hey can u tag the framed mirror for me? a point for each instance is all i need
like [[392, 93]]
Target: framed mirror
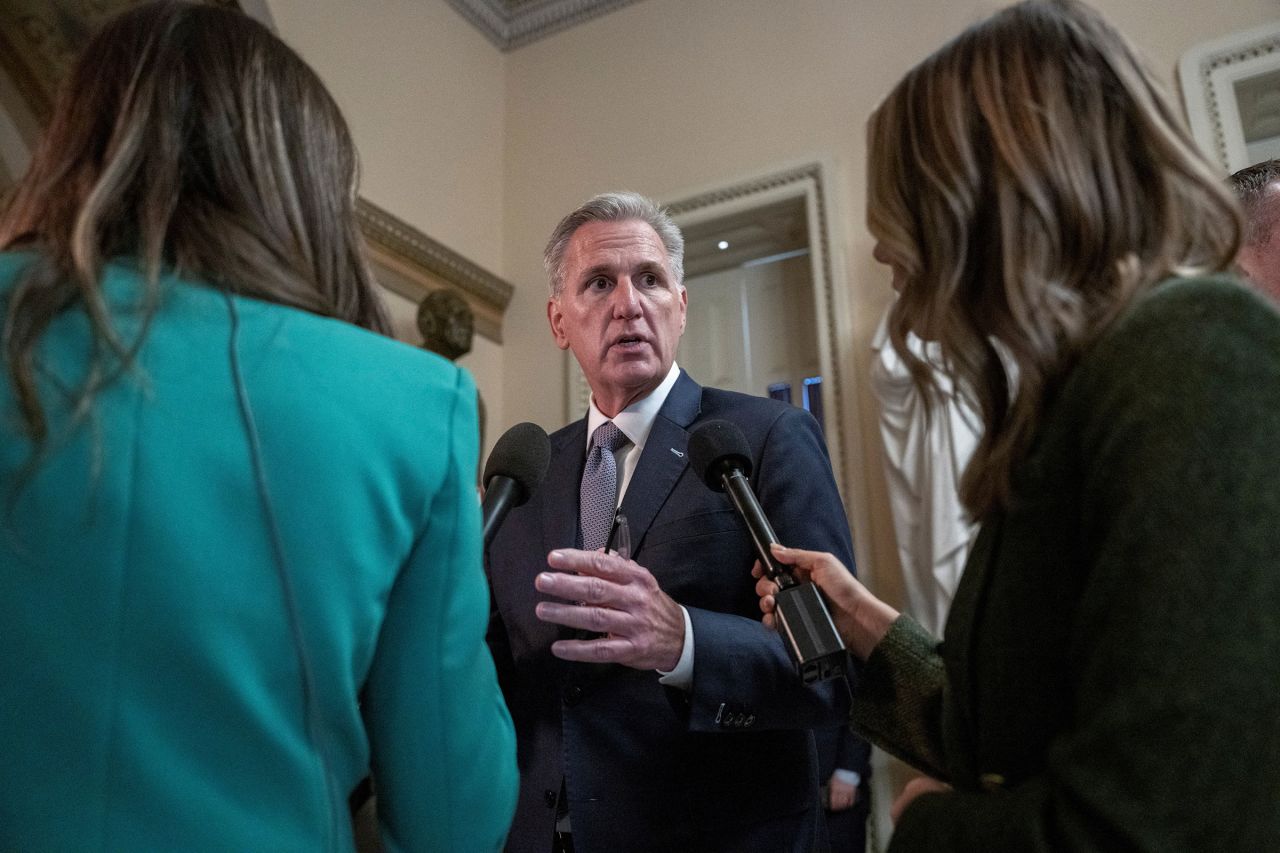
[[1231, 89]]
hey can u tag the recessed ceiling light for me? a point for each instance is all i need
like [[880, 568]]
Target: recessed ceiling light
[[723, 244]]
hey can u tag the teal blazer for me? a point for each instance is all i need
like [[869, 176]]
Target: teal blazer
[[1108, 679], [249, 572]]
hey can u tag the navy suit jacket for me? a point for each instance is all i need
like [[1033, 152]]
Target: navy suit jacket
[[730, 764]]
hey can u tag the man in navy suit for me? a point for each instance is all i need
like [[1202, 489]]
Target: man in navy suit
[[653, 710]]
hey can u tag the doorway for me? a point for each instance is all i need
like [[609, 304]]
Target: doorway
[[752, 324]]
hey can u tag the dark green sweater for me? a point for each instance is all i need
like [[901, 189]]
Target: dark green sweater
[[1110, 676]]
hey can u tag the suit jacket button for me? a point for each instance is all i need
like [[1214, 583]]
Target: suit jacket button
[[550, 797], [573, 694], [991, 782]]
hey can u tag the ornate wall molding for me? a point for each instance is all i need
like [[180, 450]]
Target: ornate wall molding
[[1209, 73], [748, 189], [510, 24], [39, 40], [413, 264]]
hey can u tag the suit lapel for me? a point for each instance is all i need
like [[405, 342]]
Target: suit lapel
[[560, 489], [665, 456]]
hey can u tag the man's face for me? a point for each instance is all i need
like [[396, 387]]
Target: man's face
[[1260, 258], [619, 310]]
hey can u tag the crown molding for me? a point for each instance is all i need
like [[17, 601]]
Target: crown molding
[[412, 264], [510, 24]]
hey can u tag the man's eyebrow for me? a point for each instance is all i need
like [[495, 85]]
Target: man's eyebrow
[[605, 270], [610, 271]]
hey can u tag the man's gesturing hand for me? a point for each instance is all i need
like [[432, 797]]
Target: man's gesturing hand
[[641, 626]]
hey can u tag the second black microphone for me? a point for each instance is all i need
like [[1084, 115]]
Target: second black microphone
[[720, 454]]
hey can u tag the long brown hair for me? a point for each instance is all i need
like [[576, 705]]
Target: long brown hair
[[1032, 179], [191, 139]]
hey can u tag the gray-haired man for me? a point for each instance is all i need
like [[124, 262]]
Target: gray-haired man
[[653, 710]]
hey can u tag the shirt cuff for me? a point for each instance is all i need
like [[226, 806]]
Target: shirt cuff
[[849, 777], [682, 676]]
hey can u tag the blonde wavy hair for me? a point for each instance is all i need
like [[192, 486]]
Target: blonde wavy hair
[[1032, 179]]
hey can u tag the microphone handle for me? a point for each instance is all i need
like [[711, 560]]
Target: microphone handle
[[499, 497], [744, 500], [803, 620]]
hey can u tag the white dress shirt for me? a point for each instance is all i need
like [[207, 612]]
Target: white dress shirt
[[636, 422]]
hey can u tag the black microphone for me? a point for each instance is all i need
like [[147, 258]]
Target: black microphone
[[720, 455], [515, 468]]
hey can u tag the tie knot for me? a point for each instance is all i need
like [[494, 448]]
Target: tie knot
[[608, 437]]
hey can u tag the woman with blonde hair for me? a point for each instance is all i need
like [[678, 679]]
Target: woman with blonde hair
[[1108, 676], [239, 539]]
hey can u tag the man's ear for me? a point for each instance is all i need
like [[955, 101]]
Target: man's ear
[[555, 317], [684, 306]]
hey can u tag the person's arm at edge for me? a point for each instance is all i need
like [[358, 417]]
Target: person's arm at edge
[[1177, 695]]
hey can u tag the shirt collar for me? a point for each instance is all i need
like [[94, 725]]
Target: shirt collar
[[635, 420]]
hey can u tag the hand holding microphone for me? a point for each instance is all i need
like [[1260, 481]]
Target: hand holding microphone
[[720, 454], [861, 619]]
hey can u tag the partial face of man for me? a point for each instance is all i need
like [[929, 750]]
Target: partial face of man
[[1259, 259], [619, 310]]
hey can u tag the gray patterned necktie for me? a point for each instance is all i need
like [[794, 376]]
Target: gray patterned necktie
[[599, 491]]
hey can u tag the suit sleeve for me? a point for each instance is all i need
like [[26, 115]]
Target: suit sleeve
[[852, 753], [840, 748], [901, 695], [738, 662], [441, 737], [1172, 744]]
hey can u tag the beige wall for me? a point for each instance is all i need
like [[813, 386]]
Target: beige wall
[[423, 93]]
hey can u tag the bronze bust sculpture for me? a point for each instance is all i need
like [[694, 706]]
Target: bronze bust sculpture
[[446, 323]]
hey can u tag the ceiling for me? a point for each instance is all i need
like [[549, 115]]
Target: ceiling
[[510, 24]]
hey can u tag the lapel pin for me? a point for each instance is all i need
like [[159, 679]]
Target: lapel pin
[[678, 453]]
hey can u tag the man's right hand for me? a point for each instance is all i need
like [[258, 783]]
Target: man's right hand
[[840, 794], [642, 626]]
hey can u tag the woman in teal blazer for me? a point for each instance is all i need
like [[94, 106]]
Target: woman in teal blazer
[[240, 546], [1108, 677]]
